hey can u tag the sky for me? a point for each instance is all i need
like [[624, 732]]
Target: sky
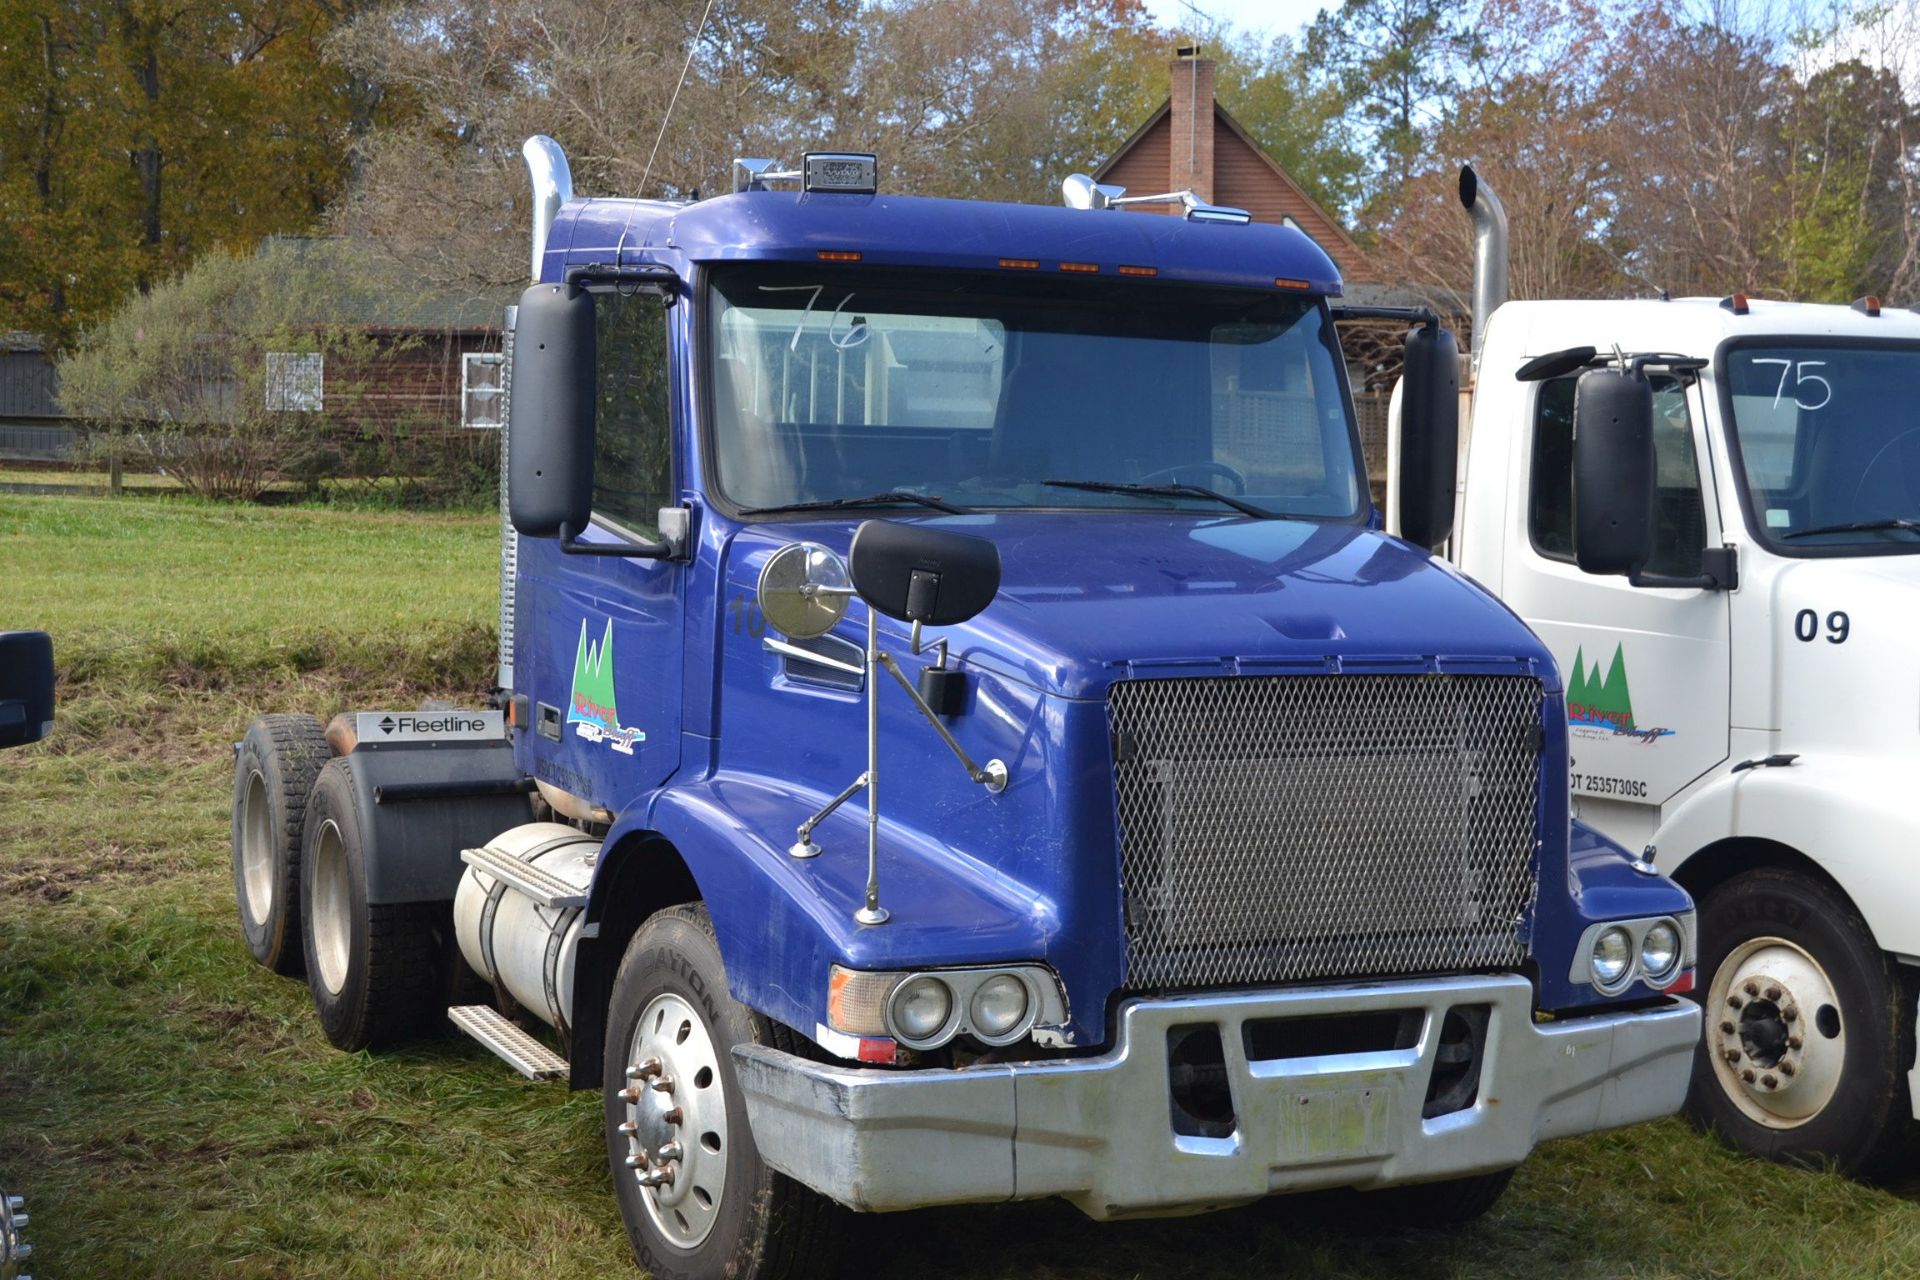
[[1273, 17]]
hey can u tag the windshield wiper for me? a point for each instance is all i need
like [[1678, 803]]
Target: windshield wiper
[[1165, 491], [891, 498], [1860, 526]]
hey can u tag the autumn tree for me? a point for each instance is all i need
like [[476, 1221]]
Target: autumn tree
[[995, 99], [1391, 63], [138, 134]]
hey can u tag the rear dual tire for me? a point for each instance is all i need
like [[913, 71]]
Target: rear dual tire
[[274, 771], [373, 968]]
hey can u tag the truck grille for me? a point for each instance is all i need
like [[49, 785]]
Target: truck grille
[[1274, 829]]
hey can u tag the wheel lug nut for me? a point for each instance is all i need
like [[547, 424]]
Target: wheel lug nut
[[656, 1177], [1751, 987], [631, 1094], [628, 1128], [1733, 1057], [1790, 1013], [661, 1084], [1786, 1068], [637, 1161], [1773, 993], [1747, 1075], [1769, 1080], [1793, 1042], [669, 1151], [1734, 1002], [1726, 1028], [645, 1069], [673, 1115]]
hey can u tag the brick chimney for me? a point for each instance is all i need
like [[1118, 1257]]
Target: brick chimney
[[1192, 120]]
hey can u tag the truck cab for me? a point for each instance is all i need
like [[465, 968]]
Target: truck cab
[[1740, 703], [983, 745]]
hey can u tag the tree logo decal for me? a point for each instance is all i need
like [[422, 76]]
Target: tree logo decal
[[591, 708], [1605, 703]]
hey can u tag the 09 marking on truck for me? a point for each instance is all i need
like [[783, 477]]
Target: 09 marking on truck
[[591, 706], [1806, 626]]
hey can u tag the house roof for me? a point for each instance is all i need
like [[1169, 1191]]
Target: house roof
[[1343, 246], [375, 290]]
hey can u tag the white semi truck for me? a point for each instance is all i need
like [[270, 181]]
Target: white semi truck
[[1709, 509]]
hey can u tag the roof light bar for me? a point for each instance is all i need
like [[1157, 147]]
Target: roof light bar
[[1867, 306], [853, 173], [1736, 303], [847, 172]]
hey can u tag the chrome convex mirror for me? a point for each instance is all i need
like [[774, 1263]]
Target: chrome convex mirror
[[924, 576], [803, 590]]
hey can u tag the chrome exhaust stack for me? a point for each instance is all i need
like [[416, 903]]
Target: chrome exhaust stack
[[1489, 252], [552, 180]]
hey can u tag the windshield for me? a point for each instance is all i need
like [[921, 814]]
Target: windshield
[[1829, 441], [978, 390]]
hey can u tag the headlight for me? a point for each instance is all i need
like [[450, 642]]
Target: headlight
[[999, 1007], [1660, 953], [920, 1010], [1612, 956]]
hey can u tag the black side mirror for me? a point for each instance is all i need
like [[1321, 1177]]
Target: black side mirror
[[26, 687], [923, 575], [1429, 435], [1613, 471], [550, 439]]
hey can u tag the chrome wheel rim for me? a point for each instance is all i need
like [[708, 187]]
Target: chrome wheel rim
[[674, 1110], [1774, 1032], [256, 850], [332, 907]]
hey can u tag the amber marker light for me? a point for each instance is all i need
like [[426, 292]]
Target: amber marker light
[[1288, 282], [1020, 264], [1126, 270], [839, 255], [1081, 268]]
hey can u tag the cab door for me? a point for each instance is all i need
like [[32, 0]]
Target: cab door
[[600, 640], [1647, 669]]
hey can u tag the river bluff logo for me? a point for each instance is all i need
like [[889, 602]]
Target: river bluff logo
[[591, 708], [1605, 704]]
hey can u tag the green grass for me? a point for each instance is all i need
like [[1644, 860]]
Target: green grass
[[171, 1109]]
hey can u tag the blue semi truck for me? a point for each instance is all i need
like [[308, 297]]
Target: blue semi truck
[[962, 735]]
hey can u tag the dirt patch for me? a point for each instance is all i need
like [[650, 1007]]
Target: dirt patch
[[49, 881]]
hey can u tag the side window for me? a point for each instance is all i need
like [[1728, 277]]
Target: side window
[[1679, 530], [632, 472]]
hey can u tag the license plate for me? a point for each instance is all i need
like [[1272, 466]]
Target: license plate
[[1318, 1124]]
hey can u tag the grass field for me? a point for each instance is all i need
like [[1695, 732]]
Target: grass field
[[170, 1109]]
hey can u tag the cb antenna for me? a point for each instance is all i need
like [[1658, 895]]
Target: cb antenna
[[674, 101]]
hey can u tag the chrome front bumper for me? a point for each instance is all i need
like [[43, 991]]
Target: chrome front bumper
[[1099, 1132]]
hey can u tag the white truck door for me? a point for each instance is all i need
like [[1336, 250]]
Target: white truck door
[[1646, 669]]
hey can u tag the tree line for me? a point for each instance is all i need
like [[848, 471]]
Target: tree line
[[1665, 147]]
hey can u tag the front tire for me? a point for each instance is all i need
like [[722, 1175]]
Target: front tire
[[698, 1202], [372, 968], [273, 773], [1809, 1027]]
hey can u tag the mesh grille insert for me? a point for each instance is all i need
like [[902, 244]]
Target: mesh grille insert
[[1281, 828]]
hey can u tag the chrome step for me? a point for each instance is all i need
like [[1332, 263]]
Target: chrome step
[[507, 1042], [548, 890]]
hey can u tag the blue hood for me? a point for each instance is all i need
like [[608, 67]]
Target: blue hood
[[1086, 599]]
